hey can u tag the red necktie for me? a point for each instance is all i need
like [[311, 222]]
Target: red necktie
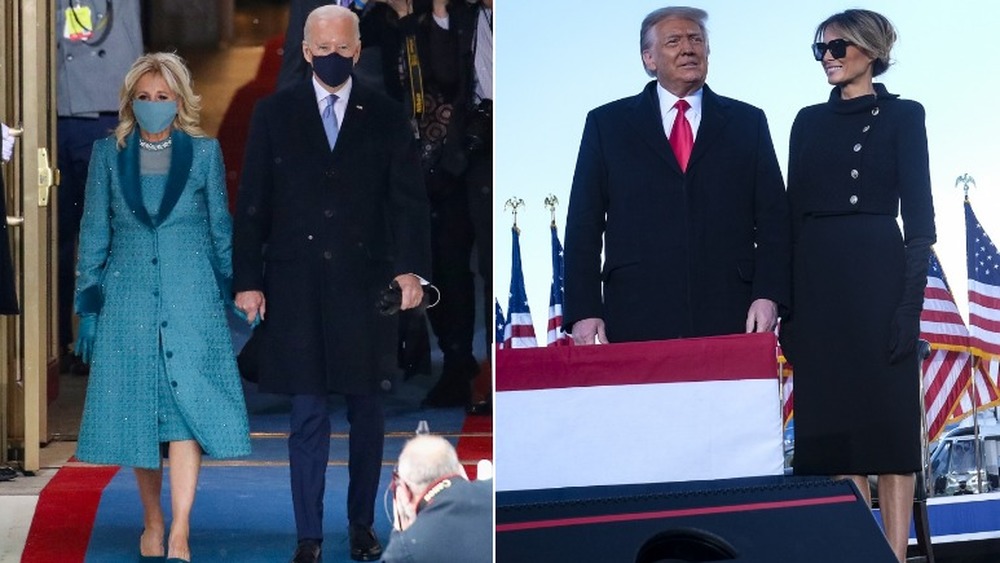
[[681, 137]]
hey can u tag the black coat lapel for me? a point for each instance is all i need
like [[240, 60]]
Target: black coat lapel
[[714, 115], [354, 118], [308, 118], [181, 157], [128, 177], [646, 119]]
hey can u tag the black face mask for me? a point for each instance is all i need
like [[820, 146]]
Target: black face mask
[[332, 69]]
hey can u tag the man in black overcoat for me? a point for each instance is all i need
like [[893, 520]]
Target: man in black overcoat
[[319, 233], [689, 251]]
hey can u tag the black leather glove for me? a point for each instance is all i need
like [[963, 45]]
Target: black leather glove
[[392, 297], [904, 333], [905, 328]]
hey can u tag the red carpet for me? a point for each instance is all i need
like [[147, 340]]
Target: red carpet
[[66, 510], [476, 442], [64, 519]]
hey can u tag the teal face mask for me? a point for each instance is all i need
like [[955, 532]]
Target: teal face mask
[[154, 117]]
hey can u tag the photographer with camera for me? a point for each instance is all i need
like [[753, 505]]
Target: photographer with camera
[[438, 514]]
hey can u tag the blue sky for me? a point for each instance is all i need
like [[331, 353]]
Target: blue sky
[[557, 59]]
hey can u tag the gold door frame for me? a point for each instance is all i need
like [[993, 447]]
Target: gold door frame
[[28, 352]]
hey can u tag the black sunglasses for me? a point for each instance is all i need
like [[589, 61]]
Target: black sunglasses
[[837, 48]]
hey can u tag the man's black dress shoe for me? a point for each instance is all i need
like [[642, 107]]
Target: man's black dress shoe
[[364, 544], [307, 552], [482, 408]]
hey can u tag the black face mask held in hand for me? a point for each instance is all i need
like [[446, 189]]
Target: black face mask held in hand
[[392, 297], [332, 69]]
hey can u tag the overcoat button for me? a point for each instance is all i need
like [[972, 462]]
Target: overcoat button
[[855, 173], [874, 111], [857, 147], [854, 200]]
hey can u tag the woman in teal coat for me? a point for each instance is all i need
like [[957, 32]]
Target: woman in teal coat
[[152, 290]]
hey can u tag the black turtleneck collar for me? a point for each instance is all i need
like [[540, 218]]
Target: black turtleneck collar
[[861, 103]]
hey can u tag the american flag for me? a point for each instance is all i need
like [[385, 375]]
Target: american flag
[[519, 332], [556, 335], [984, 287], [499, 323], [984, 315], [946, 371], [787, 389], [985, 391]]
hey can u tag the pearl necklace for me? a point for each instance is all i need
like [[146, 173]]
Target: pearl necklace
[[157, 146]]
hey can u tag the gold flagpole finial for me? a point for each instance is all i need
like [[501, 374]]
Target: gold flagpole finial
[[552, 202], [514, 204], [966, 182]]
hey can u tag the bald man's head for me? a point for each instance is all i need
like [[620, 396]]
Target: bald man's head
[[426, 459]]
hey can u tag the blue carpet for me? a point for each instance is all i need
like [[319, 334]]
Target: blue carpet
[[243, 509], [240, 514]]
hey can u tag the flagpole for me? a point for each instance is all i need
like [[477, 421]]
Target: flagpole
[[924, 352], [552, 202], [967, 181], [514, 204]]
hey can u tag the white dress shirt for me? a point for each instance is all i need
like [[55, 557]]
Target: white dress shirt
[[668, 112], [340, 106]]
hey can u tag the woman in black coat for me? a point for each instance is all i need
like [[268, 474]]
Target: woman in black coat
[[855, 162]]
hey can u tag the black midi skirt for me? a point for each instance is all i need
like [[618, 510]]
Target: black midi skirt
[[855, 413]]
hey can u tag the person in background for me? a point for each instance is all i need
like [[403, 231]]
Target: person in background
[[153, 284], [438, 514], [8, 281], [8, 295], [436, 58], [856, 162], [95, 47], [680, 188], [331, 210]]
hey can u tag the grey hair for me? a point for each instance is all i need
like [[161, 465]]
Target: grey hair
[[331, 12], [425, 459], [870, 31], [697, 15]]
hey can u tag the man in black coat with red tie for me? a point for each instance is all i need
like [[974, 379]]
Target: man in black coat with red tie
[[688, 203], [331, 209]]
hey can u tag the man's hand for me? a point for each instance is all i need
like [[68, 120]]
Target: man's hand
[[586, 330], [412, 291], [762, 316], [251, 303]]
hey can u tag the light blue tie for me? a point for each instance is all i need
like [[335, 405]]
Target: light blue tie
[[330, 121]]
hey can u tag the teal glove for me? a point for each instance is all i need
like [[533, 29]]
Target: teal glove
[[84, 347]]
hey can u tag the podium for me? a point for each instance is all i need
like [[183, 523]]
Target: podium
[[651, 412]]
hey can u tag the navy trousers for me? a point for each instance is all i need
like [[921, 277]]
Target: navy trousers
[[309, 452]]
